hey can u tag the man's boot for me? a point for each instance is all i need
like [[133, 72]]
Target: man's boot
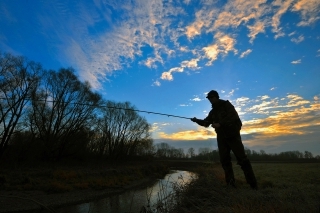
[[229, 175]]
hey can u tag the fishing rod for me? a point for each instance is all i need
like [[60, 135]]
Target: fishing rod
[[157, 113], [111, 107]]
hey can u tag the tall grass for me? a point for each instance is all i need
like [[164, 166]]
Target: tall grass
[[64, 179], [168, 196], [282, 188]]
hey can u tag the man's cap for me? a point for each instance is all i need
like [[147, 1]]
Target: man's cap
[[213, 93]]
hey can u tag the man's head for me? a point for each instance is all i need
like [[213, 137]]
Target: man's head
[[213, 93], [213, 96]]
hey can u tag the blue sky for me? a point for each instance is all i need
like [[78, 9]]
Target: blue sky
[[164, 56]]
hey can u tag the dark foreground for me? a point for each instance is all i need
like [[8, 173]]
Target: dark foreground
[[47, 186], [283, 187]]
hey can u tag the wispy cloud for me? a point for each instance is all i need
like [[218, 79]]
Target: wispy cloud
[[196, 99], [258, 27], [224, 44], [282, 7], [298, 40], [97, 51], [294, 122], [291, 34], [185, 105], [159, 126], [98, 43], [201, 133], [191, 64], [168, 75], [156, 83], [309, 11], [204, 18], [245, 53], [296, 61], [237, 12]]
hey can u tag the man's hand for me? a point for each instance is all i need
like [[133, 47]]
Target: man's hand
[[194, 119], [215, 125]]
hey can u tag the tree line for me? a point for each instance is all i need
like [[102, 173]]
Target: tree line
[[51, 115], [164, 150]]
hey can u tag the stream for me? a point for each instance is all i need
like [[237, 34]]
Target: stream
[[134, 200]]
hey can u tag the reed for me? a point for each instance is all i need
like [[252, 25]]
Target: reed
[[283, 187]]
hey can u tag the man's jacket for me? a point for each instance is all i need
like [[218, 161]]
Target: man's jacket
[[224, 113]]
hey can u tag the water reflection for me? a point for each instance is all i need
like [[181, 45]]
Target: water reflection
[[133, 201]]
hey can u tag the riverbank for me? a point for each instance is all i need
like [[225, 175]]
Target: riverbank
[[282, 187], [51, 186]]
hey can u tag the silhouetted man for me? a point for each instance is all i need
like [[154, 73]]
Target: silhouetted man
[[225, 120]]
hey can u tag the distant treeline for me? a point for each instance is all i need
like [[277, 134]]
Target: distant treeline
[[163, 150]]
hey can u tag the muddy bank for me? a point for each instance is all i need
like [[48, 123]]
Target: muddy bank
[[35, 200], [33, 189]]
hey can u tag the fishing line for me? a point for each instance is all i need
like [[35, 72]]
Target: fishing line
[[111, 107]]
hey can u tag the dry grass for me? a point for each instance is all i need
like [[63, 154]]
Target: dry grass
[[283, 187], [68, 178]]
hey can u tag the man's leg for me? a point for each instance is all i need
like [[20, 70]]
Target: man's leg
[[225, 160], [238, 150]]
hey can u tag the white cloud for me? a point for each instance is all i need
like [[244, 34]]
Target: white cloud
[[168, 75], [296, 62], [184, 49], [264, 97], [193, 63], [231, 93], [283, 6], [298, 40], [291, 34], [212, 52], [185, 105], [156, 83], [196, 99], [98, 55], [242, 101], [150, 62], [309, 11], [98, 52], [245, 53], [204, 19], [296, 100], [258, 27], [224, 44], [186, 1], [239, 11]]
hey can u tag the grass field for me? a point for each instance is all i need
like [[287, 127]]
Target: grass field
[[59, 178], [283, 187]]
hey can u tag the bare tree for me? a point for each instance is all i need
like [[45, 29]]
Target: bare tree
[[191, 152], [204, 151], [121, 132], [61, 110], [163, 150], [18, 80]]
